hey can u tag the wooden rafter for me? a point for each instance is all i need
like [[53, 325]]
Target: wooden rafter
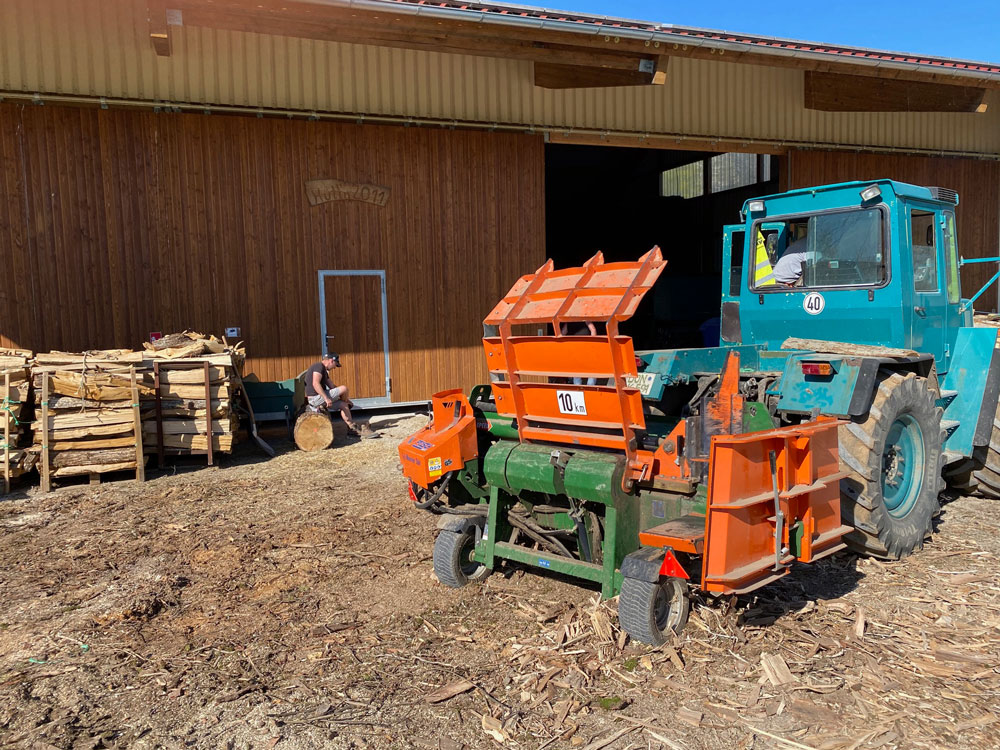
[[557, 76], [159, 29], [830, 92]]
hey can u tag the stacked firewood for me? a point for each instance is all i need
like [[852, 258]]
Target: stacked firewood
[[15, 412], [103, 410], [87, 413], [198, 378]]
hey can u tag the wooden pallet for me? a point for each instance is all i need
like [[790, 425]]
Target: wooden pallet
[[113, 447]]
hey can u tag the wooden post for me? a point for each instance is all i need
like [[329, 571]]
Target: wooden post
[[140, 458], [159, 415], [46, 478], [6, 432], [208, 409]]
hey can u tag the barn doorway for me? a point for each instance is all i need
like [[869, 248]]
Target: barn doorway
[[622, 201]]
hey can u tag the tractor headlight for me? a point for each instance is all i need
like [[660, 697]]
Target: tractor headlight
[[756, 207]]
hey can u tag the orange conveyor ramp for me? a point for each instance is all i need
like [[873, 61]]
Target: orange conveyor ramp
[[532, 371]]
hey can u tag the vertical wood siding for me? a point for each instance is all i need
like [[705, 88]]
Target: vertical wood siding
[[117, 223], [977, 183]]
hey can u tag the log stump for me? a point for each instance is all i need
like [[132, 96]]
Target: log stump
[[313, 431]]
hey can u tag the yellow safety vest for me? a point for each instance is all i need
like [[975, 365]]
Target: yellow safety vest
[[763, 273]]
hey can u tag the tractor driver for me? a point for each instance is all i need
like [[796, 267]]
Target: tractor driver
[[788, 269]]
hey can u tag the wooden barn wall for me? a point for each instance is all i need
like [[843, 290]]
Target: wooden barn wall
[[977, 183], [116, 223]]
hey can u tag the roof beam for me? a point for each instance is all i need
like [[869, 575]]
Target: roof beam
[[159, 29], [832, 92], [363, 28], [557, 76]]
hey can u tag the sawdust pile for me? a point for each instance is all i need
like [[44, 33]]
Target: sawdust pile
[[290, 603]]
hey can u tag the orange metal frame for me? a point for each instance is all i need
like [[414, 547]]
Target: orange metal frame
[[741, 524], [528, 372]]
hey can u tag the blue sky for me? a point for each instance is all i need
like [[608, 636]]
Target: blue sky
[[968, 29]]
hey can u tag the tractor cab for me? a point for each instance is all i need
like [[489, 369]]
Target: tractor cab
[[867, 262]]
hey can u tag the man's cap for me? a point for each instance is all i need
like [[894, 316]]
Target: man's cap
[[335, 357]]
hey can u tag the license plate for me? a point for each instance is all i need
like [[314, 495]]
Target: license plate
[[643, 382]]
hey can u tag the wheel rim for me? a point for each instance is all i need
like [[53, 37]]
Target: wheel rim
[[661, 608], [466, 562], [902, 466]]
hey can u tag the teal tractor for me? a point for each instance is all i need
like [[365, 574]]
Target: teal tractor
[[844, 300]]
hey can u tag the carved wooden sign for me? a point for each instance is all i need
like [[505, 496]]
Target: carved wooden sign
[[325, 191]]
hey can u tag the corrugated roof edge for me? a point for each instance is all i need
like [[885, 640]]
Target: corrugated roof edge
[[566, 20]]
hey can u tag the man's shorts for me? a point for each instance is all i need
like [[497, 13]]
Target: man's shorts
[[317, 401]]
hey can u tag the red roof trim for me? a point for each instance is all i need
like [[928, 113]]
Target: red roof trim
[[743, 39]]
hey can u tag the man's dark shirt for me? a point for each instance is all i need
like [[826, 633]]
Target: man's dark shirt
[[318, 367]]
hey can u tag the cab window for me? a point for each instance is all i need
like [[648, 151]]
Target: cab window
[[834, 249], [924, 244]]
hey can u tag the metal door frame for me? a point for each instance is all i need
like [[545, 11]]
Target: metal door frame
[[361, 402]]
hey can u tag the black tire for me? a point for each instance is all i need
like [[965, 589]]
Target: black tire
[[987, 476], [891, 505], [960, 478], [651, 612], [453, 563]]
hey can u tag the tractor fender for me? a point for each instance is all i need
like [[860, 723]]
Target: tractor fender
[[643, 564], [847, 392], [458, 524]]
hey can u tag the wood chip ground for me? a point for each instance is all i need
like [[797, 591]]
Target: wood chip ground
[[290, 603]]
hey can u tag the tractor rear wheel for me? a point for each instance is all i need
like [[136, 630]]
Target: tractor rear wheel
[[454, 565], [651, 612], [890, 496], [987, 476]]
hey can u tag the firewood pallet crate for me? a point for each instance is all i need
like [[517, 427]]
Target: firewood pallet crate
[[88, 423], [15, 410]]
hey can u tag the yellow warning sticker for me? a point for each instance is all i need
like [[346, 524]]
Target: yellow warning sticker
[[434, 467]]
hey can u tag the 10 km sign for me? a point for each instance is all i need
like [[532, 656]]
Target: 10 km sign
[[571, 402]]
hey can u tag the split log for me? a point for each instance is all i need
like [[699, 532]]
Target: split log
[[220, 409], [223, 443], [75, 471], [80, 420], [313, 431], [92, 386], [91, 359], [94, 457], [171, 340], [182, 392], [85, 432], [80, 404], [187, 376], [92, 443], [189, 427]]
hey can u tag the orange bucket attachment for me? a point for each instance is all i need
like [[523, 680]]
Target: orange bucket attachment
[[761, 519], [445, 445]]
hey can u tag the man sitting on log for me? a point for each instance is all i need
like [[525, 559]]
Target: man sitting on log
[[322, 393]]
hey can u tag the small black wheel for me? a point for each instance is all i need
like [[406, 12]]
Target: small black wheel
[[651, 612], [454, 565]]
